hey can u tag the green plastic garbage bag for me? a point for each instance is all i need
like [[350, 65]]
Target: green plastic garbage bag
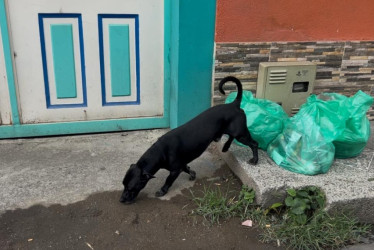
[[327, 114], [264, 118], [352, 141], [302, 146], [327, 125]]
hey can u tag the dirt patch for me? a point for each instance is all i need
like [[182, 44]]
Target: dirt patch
[[102, 222]]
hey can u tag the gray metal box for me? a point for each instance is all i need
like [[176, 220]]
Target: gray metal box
[[286, 83]]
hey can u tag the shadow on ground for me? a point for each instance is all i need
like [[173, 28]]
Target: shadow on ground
[[101, 222]]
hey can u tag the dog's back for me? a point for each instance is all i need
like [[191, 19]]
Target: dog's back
[[190, 140]]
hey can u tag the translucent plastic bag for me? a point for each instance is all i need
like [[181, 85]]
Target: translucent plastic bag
[[264, 118], [327, 125], [352, 141], [327, 114], [302, 146]]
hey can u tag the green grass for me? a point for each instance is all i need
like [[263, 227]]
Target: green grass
[[321, 230], [214, 205]]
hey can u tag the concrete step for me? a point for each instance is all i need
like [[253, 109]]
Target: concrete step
[[349, 184]]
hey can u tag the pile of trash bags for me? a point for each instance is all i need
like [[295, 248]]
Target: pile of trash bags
[[327, 126]]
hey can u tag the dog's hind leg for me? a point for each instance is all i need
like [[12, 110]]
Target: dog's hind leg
[[247, 140], [169, 181], [192, 173], [227, 144]]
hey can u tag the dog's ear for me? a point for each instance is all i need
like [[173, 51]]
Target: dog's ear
[[147, 175], [129, 174]]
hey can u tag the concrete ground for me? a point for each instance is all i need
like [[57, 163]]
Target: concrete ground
[[349, 184], [68, 169]]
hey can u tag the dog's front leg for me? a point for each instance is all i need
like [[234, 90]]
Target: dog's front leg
[[169, 181]]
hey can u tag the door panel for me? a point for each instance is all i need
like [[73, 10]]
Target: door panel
[[88, 60]]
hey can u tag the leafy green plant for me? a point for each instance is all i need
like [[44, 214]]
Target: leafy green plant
[[303, 203], [276, 207], [245, 200], [247, 195]]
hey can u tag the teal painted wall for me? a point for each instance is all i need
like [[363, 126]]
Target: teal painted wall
[[194, 56]]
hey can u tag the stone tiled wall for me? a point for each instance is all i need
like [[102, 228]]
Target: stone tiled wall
[[342, 67]]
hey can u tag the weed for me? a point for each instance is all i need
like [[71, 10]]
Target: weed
[[322, 231], [303, 203], [304, 224], [300, 222], [214, 205]]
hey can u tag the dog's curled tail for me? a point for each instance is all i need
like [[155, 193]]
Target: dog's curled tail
[[238, 98]]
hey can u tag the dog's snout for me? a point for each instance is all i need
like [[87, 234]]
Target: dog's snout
[[124, 197], [127, 197]]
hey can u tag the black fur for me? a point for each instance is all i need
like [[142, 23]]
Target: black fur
[[174, 150]]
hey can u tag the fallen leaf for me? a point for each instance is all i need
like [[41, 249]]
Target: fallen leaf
[[247, 223]]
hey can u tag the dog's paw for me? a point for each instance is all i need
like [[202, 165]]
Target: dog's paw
[[253, 161], [192, 175], [160, 193], [224, 149]]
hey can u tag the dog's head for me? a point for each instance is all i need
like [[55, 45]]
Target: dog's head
[[134, 181]]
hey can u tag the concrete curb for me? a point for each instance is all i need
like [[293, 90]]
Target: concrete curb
[[348, 185]]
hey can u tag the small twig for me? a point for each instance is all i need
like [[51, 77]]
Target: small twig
[[88, 244], [185, 206]]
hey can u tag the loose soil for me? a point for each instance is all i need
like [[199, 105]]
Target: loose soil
[[102, 222]]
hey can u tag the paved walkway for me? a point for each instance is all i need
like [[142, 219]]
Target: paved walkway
[[67, 169]]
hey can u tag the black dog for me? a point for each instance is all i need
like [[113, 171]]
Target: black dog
[[174, 150]]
